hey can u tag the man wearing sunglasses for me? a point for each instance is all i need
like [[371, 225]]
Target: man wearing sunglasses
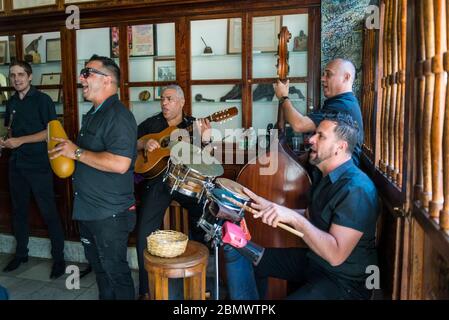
[[27, 114], [103, 180]]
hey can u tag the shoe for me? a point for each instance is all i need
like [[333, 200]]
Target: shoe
[[86, 271], [58, 269], [145, 296], [15, 263]]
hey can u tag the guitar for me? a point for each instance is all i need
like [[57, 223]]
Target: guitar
[[151, 164]]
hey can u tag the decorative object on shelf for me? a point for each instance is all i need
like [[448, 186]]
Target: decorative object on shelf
[[12, 48], [3, 45], [207, 49], [3, 94], [52, 79], [164, 70], [199, 98], [31, 51], [265, 34], [300, 42], [144, 95], [234, 94], [262, 91], [141, 41], [294, 90], [53, 50]]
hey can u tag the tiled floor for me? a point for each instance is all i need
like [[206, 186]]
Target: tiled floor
[[31, 281]]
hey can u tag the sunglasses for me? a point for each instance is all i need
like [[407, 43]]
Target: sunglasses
[[86, 72]]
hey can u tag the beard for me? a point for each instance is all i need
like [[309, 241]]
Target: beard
[[315, 159]]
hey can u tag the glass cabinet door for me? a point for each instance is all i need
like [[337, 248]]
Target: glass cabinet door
[[43, 52], [7, 53]]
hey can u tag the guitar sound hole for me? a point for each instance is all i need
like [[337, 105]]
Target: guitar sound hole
[[165, 142]]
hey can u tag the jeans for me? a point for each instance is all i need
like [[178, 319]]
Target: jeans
[[105, 245], [292, 264], [23, 183]]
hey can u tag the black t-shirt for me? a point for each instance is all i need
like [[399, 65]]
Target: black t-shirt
[[344, 103], [30, 115], [346, 197], [100, 194]]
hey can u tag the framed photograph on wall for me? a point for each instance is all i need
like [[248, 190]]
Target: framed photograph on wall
[[53, 50], [141, 41], [265, 34], [52, 79], [3, 50], [164, 70]]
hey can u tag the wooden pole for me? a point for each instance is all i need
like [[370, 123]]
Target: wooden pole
[[444, 214], [426, 195], [394, 89], [421, 84], [438, 109]]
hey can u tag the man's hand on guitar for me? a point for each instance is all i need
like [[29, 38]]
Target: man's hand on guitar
[[151, 145], [203, 126]]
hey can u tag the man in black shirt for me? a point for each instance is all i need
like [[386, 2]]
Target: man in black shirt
[[337, 81], [339, 226], [156, 196], [103, 181], [28, 113]]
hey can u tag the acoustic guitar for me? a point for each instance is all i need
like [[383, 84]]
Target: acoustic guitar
[[151, 164]]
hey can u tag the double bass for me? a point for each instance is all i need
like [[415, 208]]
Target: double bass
[[288, 186]]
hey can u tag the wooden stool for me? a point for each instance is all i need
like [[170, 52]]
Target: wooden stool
[[191, 266], [176, 218]]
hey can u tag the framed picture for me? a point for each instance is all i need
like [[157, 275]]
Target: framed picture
[[265, 34], [23, 4], [53, 50], [141, 41], [3, 46], [164, 70], [52, 79]]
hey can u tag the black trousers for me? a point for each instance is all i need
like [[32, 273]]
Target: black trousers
[[155, 200], [22, 184], [105, 245], [314, 283]]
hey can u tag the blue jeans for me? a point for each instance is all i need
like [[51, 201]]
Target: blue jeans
[[241, 281]]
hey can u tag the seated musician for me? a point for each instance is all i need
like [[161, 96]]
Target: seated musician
[[338, 226], [156, 196], [337, 81]]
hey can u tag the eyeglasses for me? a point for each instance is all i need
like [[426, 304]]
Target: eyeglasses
[[86, 72]]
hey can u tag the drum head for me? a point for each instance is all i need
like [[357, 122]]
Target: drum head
[[195, 159], [218, 195], [233, 187]]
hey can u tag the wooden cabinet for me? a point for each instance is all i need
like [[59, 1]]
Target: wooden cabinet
[[165, 43]]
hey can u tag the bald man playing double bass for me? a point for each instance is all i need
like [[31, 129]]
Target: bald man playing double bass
[[337, 81]]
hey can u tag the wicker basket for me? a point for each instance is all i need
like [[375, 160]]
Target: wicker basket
[[167, 243]]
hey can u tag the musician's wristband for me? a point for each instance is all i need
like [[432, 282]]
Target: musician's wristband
[[282, 99]]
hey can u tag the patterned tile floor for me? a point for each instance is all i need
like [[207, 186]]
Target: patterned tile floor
[[31, 281]]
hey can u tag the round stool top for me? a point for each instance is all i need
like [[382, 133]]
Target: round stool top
[[195, 254]]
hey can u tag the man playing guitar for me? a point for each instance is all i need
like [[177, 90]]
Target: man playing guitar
[[156, 196]]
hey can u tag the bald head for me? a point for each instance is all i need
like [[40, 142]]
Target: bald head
[[338, 77]]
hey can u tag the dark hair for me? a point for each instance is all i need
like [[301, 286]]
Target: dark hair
[[109, 64], [346, 128], [25, 65]]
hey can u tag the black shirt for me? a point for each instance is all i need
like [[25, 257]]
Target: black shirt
[[100, 194], [31, 115], [157, 123], [344, 103], [346, 197]]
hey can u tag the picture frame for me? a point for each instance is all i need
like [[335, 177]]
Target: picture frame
[[164, 70], [141, 41], [52, 79], [3, 51], [53, 50], [24, 4], [265, 34]]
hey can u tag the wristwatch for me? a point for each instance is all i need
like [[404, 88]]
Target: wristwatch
[[282, 99], [78, 153]]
